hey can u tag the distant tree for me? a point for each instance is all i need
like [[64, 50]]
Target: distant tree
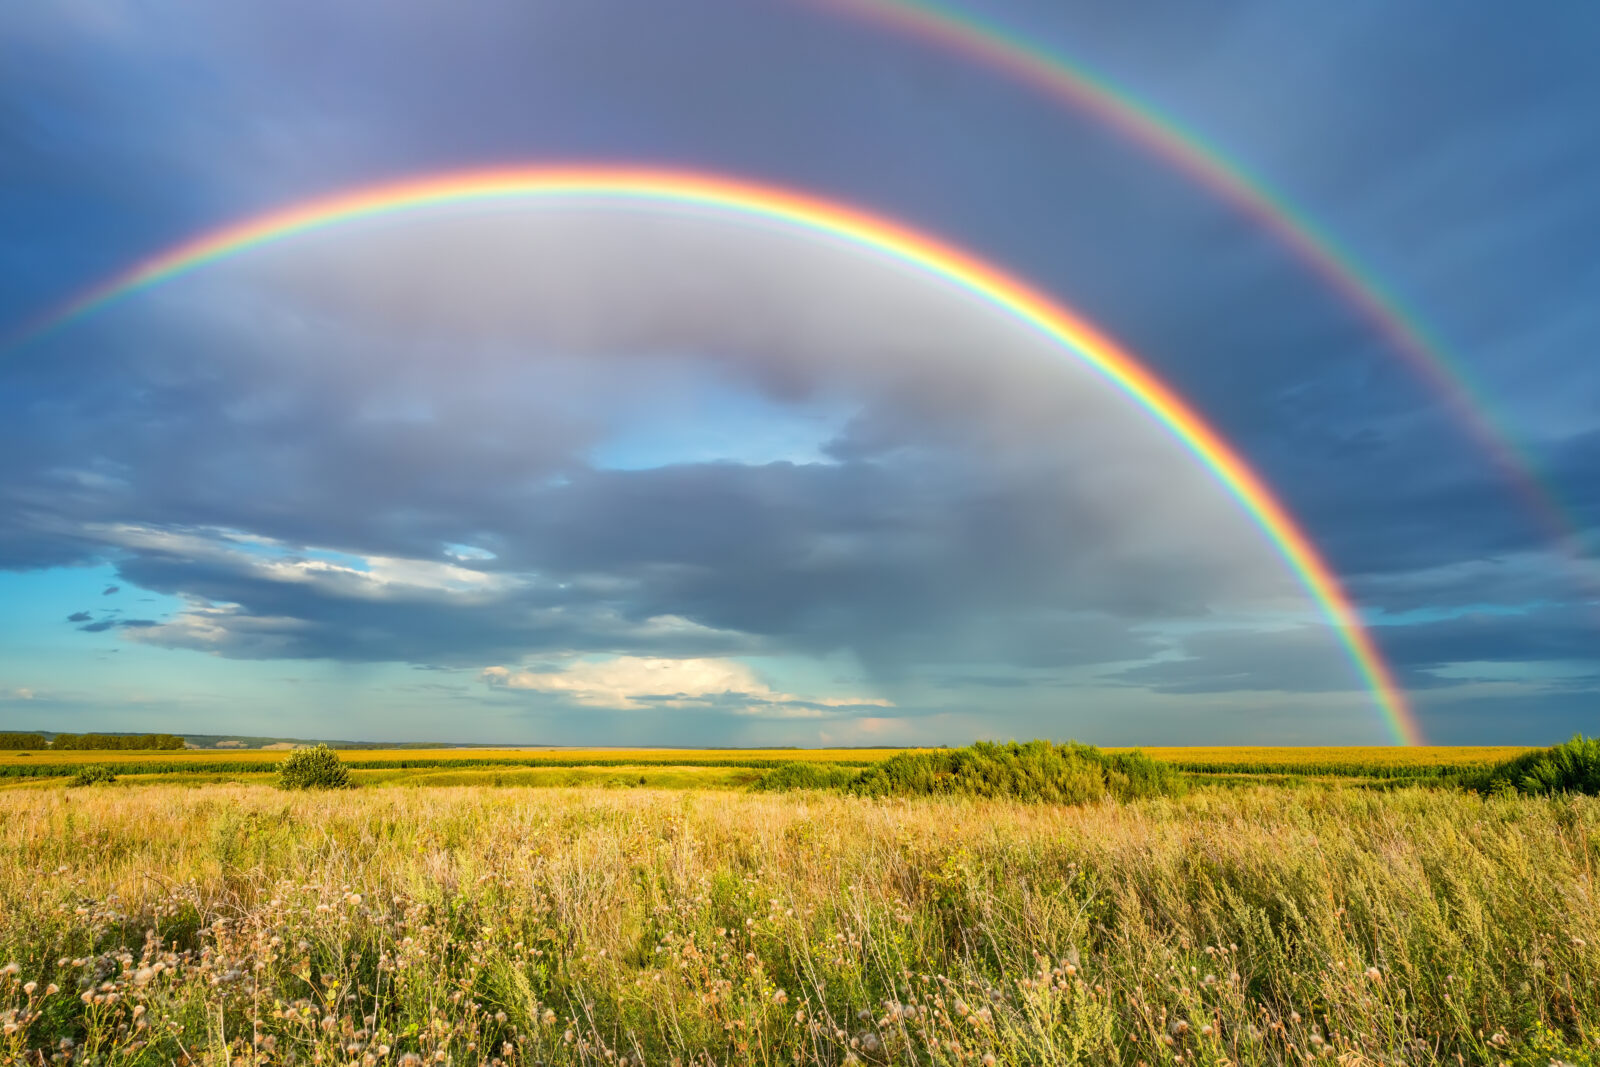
[[116, 742], [313, 768], [15, 742]]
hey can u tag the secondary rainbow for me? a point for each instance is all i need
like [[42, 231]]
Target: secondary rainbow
[[800, 212], [1087, 92]]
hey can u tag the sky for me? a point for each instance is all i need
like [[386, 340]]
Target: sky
[[580, 472]]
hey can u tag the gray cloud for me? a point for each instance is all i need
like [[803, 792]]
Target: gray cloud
[[339, 394], [447, 382]]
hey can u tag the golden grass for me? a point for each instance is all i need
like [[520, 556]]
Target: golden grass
[[238, 924]]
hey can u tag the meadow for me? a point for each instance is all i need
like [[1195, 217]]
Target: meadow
[[690, 920], [1375, 762]]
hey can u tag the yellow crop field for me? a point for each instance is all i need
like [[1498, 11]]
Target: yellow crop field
[[1388, 755], [546, 755]]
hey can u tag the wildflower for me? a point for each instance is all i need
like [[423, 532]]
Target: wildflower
[[51, 990], [1205, 1031], [410, 1059], [548, 1017], [988, 1059], [1374, 974], [780, 997], [1578, 942], [29, 987], [10, 969], [1178, 1026]]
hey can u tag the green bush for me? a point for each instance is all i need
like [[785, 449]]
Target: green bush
[[1573, 767], [805, 776], [14, 742], [1038, 770], [93, 774], [313, 768]]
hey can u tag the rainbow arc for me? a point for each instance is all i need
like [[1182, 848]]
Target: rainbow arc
[[870, 233], [991, 46]]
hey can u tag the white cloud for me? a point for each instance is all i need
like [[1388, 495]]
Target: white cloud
[[636, 682]]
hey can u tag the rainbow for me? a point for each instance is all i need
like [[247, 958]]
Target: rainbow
[[805, 214], [1087, 92]]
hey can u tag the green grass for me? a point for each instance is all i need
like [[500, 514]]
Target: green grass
[[1036, 771], [1573, 767]]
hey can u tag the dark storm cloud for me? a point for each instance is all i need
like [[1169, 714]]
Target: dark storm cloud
[[1441, 653], [1458, 165], [982, 500]]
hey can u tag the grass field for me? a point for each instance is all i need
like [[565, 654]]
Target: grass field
[[240, 924], [1374, 762], [649, 908]]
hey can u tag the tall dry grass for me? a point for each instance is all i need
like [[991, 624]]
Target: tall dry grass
[[235, 924]]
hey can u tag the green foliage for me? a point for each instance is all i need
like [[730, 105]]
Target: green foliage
[[806, 776], [1573, 767], [313, 768], [15, 742], [115, 742], [93, 774], [1038, 771]]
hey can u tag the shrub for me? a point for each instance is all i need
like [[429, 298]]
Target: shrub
[[789, 776], [1038, 770], [13, 742], [313, 768], [93, 774], [1573, 767]]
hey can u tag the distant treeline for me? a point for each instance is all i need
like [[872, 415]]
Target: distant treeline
[[91, 742], [202, 765]]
